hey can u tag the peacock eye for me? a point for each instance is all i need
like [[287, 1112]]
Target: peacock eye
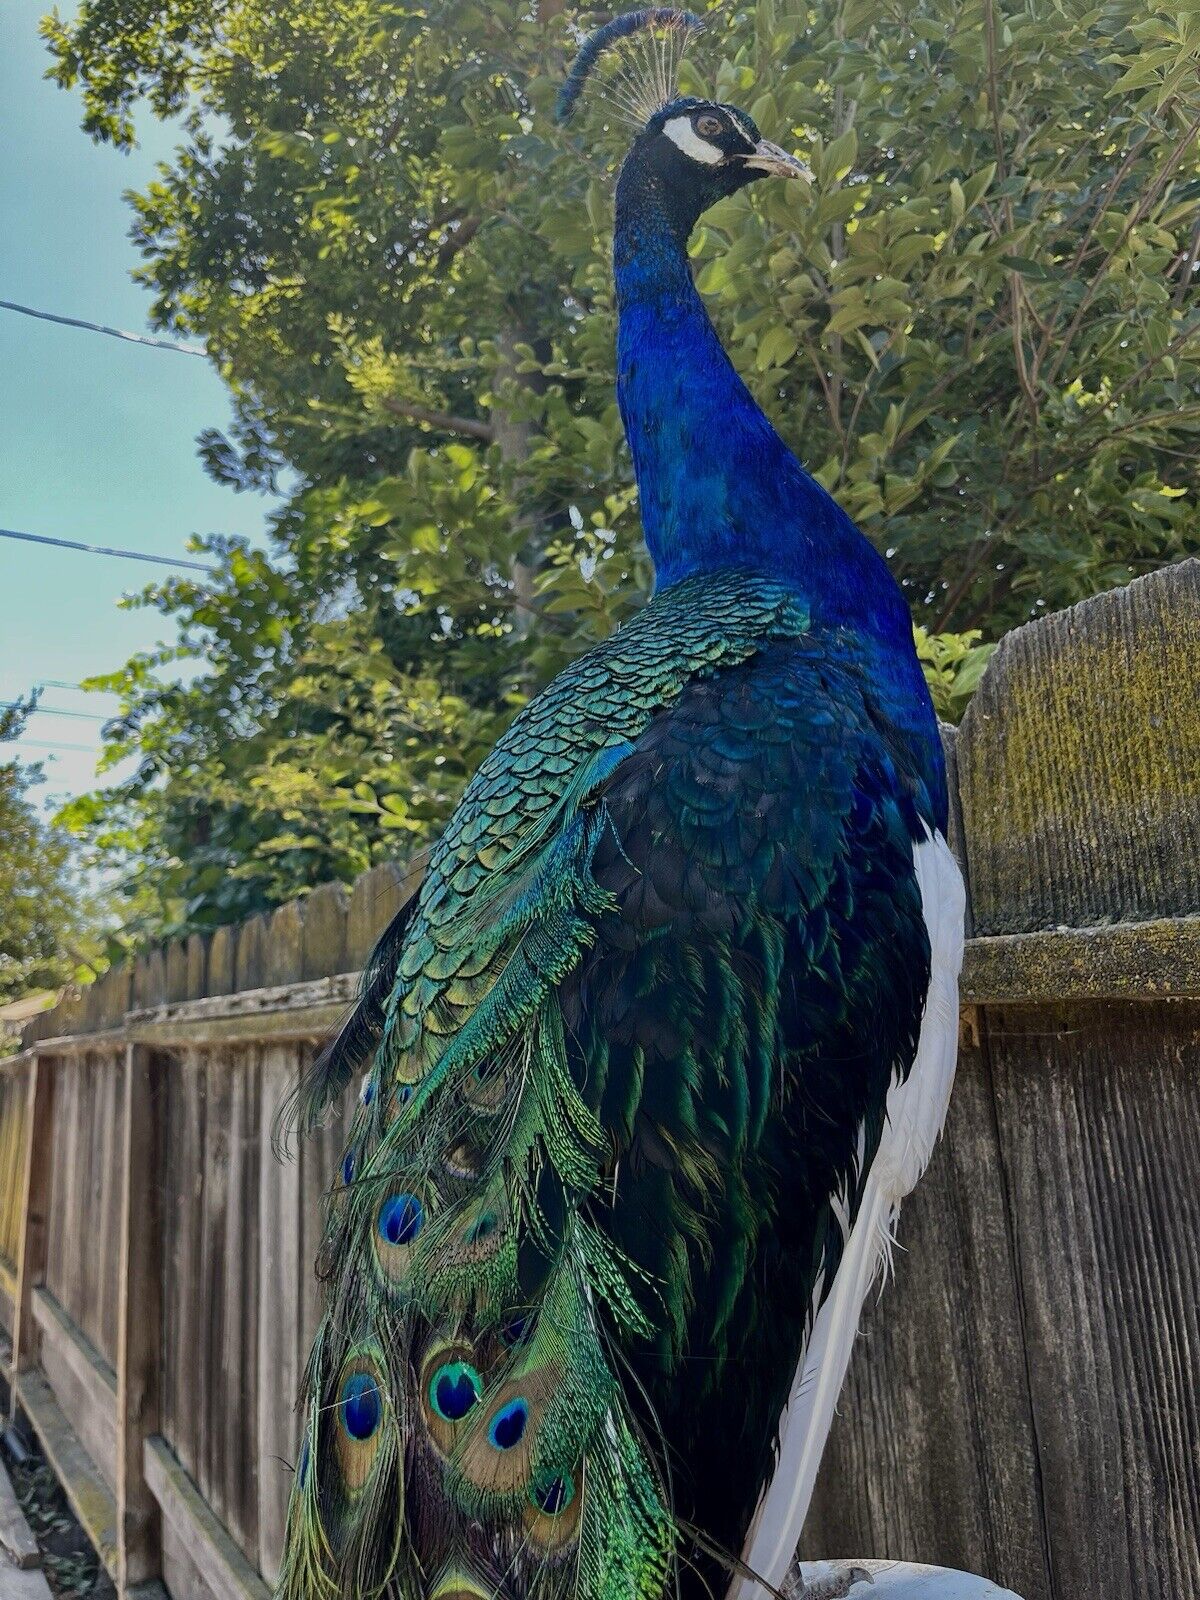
[[709, 125]]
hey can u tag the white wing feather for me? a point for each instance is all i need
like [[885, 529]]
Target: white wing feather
[[916, 1110]]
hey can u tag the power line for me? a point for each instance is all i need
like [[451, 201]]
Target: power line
[[53, 711], [42, 744], [104, 550], [99, 327]]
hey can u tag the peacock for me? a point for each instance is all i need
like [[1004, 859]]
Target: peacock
[[665, 1037]]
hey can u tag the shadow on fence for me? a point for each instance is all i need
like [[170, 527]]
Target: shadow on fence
[[1023, 1403]]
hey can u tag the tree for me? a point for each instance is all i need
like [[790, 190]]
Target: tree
[[980, 330], [42, 938]]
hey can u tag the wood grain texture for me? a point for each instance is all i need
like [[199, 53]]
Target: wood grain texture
[[155, 992], [932, 1456], [282, 1272], [197, 966], [1124, 961], [324, 938], [180, 1572], [221, 1568], [1078, 767], [212, 1186], [85, 1196], [90, 1497], [139, 1313], [84, 1383], [183, 1200], [374, 901], [222, 955], [177, 969], [321, 1161], [37, 1174], [1098, 1108], [236, 1452], [285, 945], [14, 1105], [251, 964]]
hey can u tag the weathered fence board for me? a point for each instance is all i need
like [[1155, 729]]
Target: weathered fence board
[[84, 1383], [1078, 768], [1023, 1400], [1090, 1103], [139, 1312], [282, 1271], [85, 1195], [14, 1097]]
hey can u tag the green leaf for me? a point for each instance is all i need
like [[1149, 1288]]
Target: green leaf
[[838, 158], [776, 348]]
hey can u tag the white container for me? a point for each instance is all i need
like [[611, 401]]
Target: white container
[[902, 1580]]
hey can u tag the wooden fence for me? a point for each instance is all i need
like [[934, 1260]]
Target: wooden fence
[[1024, 1399]]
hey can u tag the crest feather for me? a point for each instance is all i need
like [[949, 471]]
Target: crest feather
[[639, 100]]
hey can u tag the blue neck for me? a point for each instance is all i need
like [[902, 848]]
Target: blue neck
[[718, 487]]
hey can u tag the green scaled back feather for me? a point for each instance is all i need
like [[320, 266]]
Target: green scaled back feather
[[470, 1273]]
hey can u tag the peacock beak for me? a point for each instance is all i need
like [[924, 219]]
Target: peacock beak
[[770, 158]]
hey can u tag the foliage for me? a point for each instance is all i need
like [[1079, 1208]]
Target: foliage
[[42, 914], [981, 330], [953, 664]]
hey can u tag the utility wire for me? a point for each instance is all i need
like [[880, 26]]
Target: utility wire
[[41, 744], [52, 711], [98, 327], [105, 550]]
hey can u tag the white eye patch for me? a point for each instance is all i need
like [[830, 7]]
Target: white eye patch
[[680, 132]]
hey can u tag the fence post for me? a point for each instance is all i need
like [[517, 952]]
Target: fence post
[[139, 1324], [35, 1212]]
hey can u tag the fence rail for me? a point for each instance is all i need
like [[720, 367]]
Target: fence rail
[[1023, 1402]]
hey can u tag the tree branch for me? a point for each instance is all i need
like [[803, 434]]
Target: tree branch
[[1132, 381], [1141, 210], [1188, 268], [1118, 178], [441, 421], [457, 239]]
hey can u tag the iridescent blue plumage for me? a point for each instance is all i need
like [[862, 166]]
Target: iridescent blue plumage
[[717, 486], [662, 1041]]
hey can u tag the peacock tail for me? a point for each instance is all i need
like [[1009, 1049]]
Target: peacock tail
[[466, 1414]]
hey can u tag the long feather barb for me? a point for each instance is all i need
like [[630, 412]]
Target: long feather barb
[[604, 38]]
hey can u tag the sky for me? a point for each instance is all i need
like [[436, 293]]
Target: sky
[[97, 436]]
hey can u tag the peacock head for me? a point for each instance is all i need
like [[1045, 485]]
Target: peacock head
[[697, 152], [687, 153]]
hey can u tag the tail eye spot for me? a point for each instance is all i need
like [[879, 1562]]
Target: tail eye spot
[[360, 1406], [514, 1328], [552, 1492], [454, 1390], [401, 1218], [507, 1427], [481, 1228]]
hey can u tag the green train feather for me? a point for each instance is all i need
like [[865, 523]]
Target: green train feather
[[476, 986]]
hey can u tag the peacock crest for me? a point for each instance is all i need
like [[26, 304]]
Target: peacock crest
[[646, 78]]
